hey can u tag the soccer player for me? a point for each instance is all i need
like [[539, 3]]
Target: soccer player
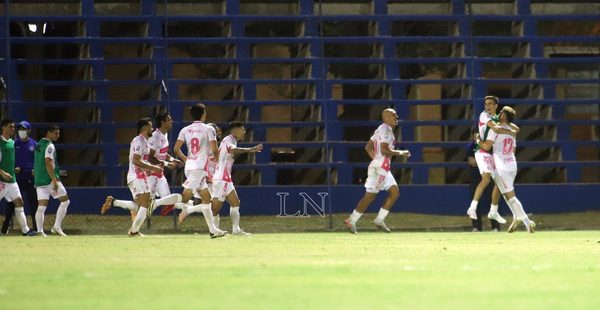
[[47, 181], [24, 149], [158, 145], [381, 150], [9, 189], [484, 159], [503, 146], [137, 179], [223, 188], [200, 140]]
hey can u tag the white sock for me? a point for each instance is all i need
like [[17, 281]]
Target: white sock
[[217, 220], [355, 216], [518, 210], [168, 200], [208, 217], [20, 215], [474, 204], [494, 208], [382, 214], [39, 218], [180, 205], [60, 213], [125, 204], [139, 220], [194, 209], [234, 214]]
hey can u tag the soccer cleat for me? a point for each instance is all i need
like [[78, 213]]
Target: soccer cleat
[[472, 213], [351, 225], [217, 234], [240, 233], [5, 230], [135, 234], [495, 216], [513, 226], [30, 233], [107, 204], [381, 225], [58, 231], [42, 234], [531, 227]]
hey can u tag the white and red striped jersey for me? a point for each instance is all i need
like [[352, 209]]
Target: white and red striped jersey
[[383, 134], [504, 150], [197, 137], [223, 172], [159, 143], [139, 146]]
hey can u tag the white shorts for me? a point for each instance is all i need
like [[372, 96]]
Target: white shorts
[[138, 186], [44, 192], [158, 186], [195, 180], [485, 162], [221, 189], [505, 180], [9, 191], [379, 179]]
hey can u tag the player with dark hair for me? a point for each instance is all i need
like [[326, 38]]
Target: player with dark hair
[[47, 181], [9, 189], [200, 140], [505, 169], [137, 179], [223, 188], [158, 144]]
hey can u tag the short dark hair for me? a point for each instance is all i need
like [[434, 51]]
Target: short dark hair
[[235, 124], [7, 121], [143, 122], [510, 113], [197, 111], [51, 128], [496, 99], [161, 117]]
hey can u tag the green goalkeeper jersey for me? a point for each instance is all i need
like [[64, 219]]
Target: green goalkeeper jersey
[[7, 163], [41, 176]]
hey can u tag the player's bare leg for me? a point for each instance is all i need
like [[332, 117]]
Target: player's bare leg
[[486, 178], [390, 200]]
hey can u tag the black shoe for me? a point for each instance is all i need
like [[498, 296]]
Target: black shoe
[[30, 233], [5, 230]]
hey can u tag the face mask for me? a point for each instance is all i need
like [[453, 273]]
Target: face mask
[[23, 134]]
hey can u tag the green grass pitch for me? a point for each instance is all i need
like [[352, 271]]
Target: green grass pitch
[[546, 270]]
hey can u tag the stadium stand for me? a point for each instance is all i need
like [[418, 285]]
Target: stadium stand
[[310, 80]]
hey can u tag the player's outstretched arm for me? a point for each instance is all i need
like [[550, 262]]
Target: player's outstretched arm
[[500, 130], [241, 150], [385, 150]]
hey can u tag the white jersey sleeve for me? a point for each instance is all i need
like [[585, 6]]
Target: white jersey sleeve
[[484, 118], [383, 135], [50, 151]]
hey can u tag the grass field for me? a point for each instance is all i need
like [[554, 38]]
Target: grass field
[[546, 270]]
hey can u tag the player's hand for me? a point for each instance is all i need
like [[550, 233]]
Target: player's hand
[[6, 176], [257, 148], [155, 168], [178, 163], [55, 185], [17, 170], [406, 154]]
